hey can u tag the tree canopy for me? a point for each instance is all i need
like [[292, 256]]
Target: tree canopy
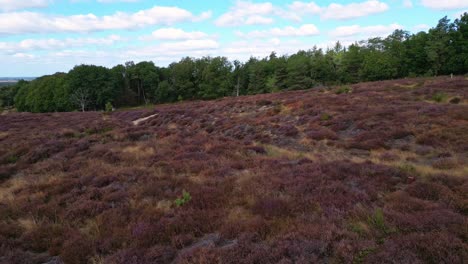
[[440, 51]]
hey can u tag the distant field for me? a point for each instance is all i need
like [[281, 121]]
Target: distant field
[[368, 173], [6, 83]]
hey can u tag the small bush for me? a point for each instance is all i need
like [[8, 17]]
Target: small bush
[[439, 97], [344, 90], [186, 197], [408, 168], [377, 220], [325, 117], [109, 107], [12, 159]]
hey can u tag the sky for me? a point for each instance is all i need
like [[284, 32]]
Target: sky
[[39, 37]]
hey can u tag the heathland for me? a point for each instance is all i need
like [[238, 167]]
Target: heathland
[[373, 172]]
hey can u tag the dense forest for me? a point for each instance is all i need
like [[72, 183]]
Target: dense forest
[[440, 51]]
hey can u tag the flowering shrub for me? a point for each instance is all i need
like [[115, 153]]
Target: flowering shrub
[[259, 179]]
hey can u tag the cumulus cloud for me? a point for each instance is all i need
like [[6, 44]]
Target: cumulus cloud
[[353, 10], [167, 52], [339, 11], [445, 4], [302, 31], [360, 32], [305, 8], [174, 34], [23, 55], [407, 3], [421, 27], [116, 1], [249, 13], [459, 14], [11, 5], [31, 22], [55, 44]]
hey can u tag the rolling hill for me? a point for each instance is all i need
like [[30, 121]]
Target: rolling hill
[[367, 173]]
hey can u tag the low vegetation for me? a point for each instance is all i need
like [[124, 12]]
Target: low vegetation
[[376, 175]]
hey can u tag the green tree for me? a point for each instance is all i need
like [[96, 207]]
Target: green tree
[[396, 51], [144, 80], [44, 94], [281, 73], [378, 65], [91, 87], [8, 93], [182, 78], [416, 61], [439, 47], [351, 64], [458, 62], [299, 73], [215, 78]]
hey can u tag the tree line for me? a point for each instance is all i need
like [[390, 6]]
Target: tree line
[[440, 51]]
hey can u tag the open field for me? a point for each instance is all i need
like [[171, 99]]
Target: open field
[[370, 173]]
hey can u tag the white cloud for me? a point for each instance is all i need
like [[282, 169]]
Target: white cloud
[[339, 11], [354, 10], [189, 45], [10, 5], [359, 32], [305, 8], [55, 44], [459, 14], [302, 31], [258, 20], [31, 22], [247, 13], [174, 34], [168, 52], [243, 50], [445, 4], [23, 55], [407, 3], [421, 27], [63, 60], [203, 16], [116, 1]]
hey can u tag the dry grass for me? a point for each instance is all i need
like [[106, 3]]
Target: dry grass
[[138, 152]]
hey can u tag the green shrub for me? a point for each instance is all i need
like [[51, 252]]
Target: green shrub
[[408, 168], [184, 199], [343, 89], [361, 255], [377, 221], [325, 117], [439, 97], [109, 107], [12, 159]]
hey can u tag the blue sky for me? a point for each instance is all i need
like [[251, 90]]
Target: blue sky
[[40, 37]]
